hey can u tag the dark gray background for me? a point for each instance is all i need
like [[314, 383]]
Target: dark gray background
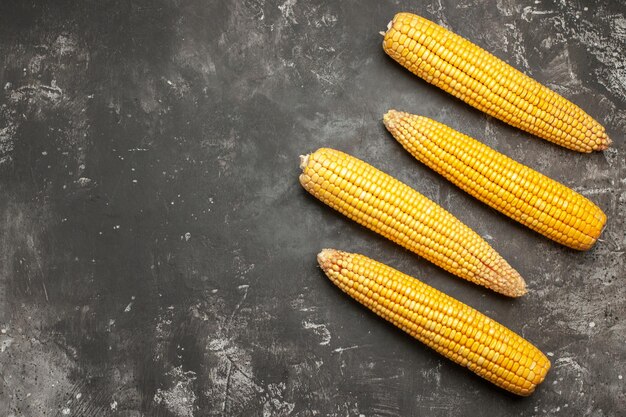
[[157, 253]]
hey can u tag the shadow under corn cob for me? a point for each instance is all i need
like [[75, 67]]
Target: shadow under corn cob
[[396, 211], [453, 329], [521, 193], [489, 84]]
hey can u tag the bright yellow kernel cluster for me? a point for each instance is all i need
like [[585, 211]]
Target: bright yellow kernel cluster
[[446, 325], [401, 214], [487, 83], [521, 193]]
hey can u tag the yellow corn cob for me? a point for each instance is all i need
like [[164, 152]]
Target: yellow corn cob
[[401, 214], [521, 193], [444, 324], [470, 73]]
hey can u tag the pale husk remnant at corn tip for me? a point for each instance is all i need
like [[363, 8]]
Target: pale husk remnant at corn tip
[[453, 329], [394, 210], [489, 84], [523, 194]]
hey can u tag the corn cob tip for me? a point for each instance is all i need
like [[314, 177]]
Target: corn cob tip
[[518, 288], [506, 279], [391, 117], [326, 257], [503, 278], [304, 161]]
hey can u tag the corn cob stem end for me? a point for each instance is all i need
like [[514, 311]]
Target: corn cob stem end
[[383, 33], [304, 161]]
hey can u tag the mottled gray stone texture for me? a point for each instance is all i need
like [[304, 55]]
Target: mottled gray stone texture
[[157, 254]]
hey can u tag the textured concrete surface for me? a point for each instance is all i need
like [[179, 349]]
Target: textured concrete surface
[[157, 254]]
